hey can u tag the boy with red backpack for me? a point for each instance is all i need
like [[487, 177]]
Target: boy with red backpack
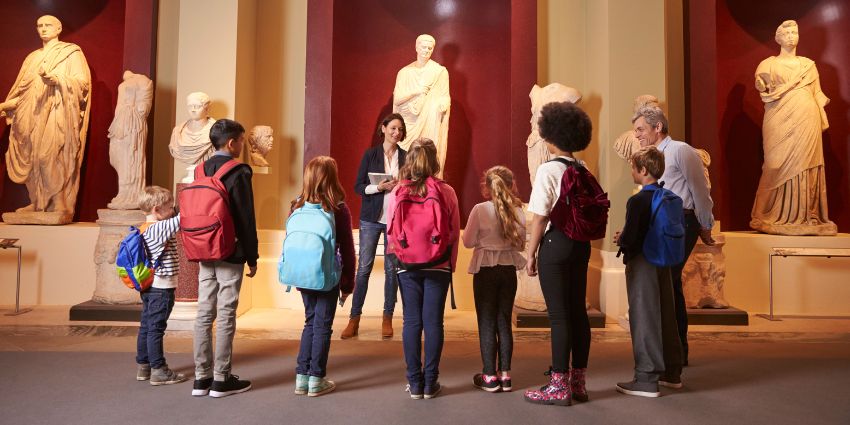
[[653, 240], [219, 230], [423, 231]]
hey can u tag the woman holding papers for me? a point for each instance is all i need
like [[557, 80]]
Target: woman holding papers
[[376, 177]]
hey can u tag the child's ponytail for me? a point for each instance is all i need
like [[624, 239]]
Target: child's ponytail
[[498, 185]]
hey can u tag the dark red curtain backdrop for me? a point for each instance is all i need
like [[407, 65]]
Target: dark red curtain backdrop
[[355, 49], [726, 41], [111, 45]]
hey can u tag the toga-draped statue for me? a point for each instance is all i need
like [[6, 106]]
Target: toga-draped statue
[[540, 96], [48, 112], [190, 140], [791, 196], [421, 96], [127, 136]]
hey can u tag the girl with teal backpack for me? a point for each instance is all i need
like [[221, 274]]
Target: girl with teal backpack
[[318, 259]]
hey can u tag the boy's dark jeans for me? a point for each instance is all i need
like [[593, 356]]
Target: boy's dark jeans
[[495, 289], [423, 297], [156, 307], [319, 311]]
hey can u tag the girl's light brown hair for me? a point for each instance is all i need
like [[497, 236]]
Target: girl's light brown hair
[[321, 185], [419, 164], [498, 185]]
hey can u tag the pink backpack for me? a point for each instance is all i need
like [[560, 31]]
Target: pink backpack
[[206, 225], [420, 227]]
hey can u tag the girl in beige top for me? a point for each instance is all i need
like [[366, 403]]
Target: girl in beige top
[[496, 231]]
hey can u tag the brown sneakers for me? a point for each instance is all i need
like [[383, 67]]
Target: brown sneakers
[[387, 326], [352, 328]]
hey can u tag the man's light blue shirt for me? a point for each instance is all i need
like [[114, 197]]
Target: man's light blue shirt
[[683, 174]]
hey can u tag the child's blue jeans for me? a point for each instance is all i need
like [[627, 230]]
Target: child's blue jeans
[[156, 307], [319, 310]]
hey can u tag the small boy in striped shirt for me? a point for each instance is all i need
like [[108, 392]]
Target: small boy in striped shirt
[[158, 300]]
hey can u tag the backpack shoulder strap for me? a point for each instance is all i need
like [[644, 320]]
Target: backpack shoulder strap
[[199, 170], [226, 167], [561, 160]]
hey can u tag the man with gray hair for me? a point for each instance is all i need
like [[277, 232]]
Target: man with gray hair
[[683, 174]]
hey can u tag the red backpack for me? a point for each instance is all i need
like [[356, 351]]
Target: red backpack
[[581, 211], [206, 226], [420, 227]]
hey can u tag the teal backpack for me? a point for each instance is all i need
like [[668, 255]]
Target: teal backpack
[[309, 259]]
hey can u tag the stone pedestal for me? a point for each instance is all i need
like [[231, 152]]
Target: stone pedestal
[[33, 217], [261, 170], [186, 295], [705, 274], [114, 225]]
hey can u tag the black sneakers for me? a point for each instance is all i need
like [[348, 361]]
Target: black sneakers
[[641, 389], [202, 387], [231, 385], [491, 383], [432, 390]]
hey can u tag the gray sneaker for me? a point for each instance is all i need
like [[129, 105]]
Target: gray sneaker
[[166, 376], [143, 372]]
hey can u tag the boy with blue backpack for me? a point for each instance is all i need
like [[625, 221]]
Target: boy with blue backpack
[[160, 245], [652, 240]]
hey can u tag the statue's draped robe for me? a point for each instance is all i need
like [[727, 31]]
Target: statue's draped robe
[[191, 147], [48, 128], [127, 136], [791, 197], [422, 112]]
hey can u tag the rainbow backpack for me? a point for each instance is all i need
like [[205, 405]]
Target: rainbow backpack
[[133, 261]]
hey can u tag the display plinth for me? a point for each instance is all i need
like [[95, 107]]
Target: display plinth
[[525, 319], [97, 312], [729, 316], [33, 217]]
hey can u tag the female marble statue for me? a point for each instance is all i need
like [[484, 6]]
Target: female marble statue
[[260, 143], [48, 111], [190, 141], [540, 96], [127, 136], [421, 96], [791, 197]]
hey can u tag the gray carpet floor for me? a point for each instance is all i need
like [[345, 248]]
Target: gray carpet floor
[[727, 383]]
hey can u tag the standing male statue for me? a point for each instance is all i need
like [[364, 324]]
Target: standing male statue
[[127, 136], [48, 111], [421, 96]]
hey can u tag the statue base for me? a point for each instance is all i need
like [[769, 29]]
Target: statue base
[[260, 170], [823, 229], [114, 225], [38, 217], [523, 318], [730, 316], [96, 312]]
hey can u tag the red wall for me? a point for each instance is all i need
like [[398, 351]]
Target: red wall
[[488, 47], [725, 111], [98, 27]]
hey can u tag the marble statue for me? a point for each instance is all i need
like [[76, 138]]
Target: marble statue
[[421, 96], [190, 141], [627, 144], [791, 196], [540, 96], [127, 136], [260, 142], [48, 113], [704, 275]]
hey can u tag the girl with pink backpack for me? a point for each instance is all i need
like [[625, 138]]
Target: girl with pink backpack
[[423, 230]]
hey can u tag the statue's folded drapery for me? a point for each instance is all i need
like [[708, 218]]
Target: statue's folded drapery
[[426, 113]]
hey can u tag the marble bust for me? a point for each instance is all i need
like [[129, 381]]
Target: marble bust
[[190, 140], [260, 142], [127, 136], [47, 110], [421, 96], [540, 96], [791, 195]]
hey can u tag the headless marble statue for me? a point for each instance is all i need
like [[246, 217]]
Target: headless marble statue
[[555, 92], [190, 141], [127, 136]]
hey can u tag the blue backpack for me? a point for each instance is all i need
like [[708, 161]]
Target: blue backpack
[[664, 245], [133, 261], [309, 259]]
